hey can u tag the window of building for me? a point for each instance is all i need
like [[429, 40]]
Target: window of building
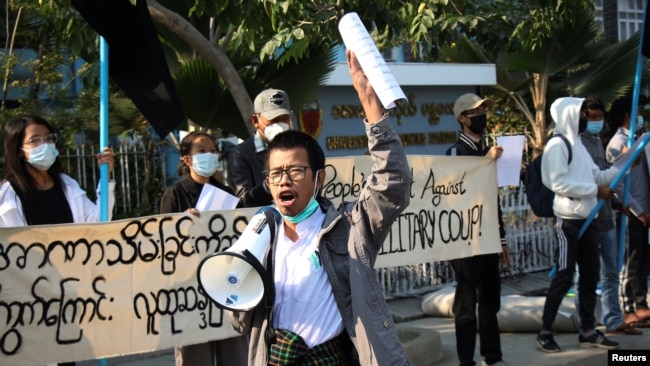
[[630, 18]]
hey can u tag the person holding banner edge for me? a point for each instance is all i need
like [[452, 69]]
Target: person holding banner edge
[[329, 308], [35, 190], [477, 277], [198, 163], [636, 267], [575, 185]]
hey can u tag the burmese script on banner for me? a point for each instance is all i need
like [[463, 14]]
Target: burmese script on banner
[[86, 291]]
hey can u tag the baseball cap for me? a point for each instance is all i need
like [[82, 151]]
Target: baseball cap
[[470, 101], [272, 103]]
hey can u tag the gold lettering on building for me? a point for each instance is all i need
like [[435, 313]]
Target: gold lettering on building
[[433, 111], [442, 137], [403, 108], [347, 111], [408, 139], [346, 142]]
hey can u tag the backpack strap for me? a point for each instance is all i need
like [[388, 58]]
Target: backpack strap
[[567, 143]]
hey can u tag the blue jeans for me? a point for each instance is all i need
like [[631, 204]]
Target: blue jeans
[[609, 281]]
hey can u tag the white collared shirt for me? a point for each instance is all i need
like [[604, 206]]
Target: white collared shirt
[[304, 302]]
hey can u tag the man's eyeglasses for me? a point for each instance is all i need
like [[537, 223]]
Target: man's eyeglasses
[[474, 113], [39, 140], [295, 173]]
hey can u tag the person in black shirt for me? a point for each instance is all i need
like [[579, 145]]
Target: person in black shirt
[[477, 277], [199, 162]]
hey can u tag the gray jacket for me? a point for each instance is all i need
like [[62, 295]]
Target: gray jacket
[[351, 237], [605, 219], [639, 198]]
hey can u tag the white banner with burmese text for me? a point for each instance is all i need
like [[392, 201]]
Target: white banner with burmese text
[[87, 291]]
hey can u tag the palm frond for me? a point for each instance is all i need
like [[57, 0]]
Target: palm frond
[[611, 75]]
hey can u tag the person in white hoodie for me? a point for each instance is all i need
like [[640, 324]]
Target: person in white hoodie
[[575, 185]]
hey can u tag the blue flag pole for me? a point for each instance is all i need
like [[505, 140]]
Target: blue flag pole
[[103, 126], [103, 135]]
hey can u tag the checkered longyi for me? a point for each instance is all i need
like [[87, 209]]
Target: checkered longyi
[[291, 349]]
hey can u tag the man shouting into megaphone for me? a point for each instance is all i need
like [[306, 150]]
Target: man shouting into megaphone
[[328, 308]]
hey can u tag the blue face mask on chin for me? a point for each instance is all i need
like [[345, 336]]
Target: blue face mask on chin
[[594, 127], [304, 214], [312, 206]]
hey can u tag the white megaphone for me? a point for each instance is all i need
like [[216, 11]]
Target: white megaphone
[[236, 278]]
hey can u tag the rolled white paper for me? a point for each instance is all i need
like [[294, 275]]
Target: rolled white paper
[[356, 38]]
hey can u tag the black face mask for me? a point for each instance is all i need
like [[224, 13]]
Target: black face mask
[[478, 124]]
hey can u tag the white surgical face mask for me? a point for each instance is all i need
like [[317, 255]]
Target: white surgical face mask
[[43, 156], [205, 164], [275, 129]]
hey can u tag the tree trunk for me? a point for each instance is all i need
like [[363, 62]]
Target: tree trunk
[[213, 55], [538, 93]]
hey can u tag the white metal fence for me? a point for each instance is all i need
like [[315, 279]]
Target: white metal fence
[[141, 176]]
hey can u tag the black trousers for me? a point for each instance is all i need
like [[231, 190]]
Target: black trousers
[[477, 281], [634, 276], [571, 250]]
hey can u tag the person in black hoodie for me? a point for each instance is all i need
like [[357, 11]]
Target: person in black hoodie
[[477, 277]]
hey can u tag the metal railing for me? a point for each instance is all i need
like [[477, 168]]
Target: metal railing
[[140, 176]]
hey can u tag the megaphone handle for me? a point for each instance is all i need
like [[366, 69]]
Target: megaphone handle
[[269, 283], [269, 294]]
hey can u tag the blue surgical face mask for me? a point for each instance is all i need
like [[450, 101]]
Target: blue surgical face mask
[[312, 206], [594, 127], [42, 157], [205, 164]]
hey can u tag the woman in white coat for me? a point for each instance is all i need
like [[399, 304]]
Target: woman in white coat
[[35, 191]]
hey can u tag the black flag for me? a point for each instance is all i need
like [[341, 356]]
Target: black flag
[[135, 58]]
